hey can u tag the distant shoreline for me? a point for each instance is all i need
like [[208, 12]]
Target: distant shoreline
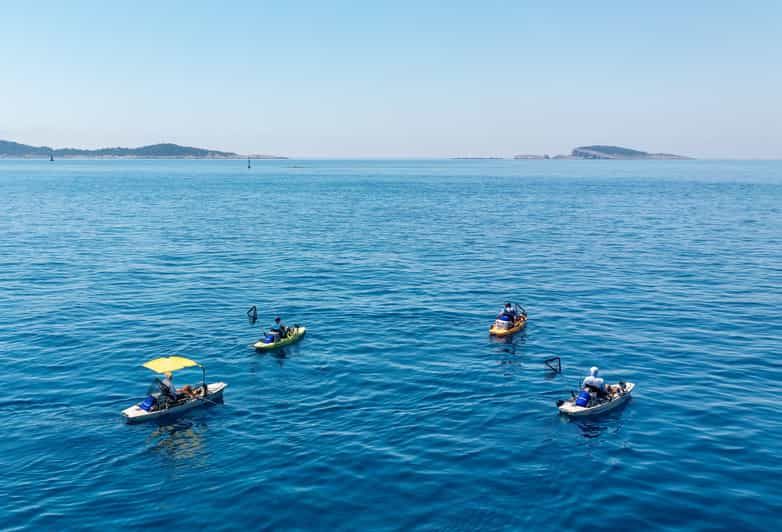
[[590, 152], [142, 157], [153, 151]]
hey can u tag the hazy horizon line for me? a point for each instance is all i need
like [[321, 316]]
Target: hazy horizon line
[[475, 159]]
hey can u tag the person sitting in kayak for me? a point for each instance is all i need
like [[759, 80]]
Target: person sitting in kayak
[[168, 392], [595, 384], [278, 328], [509, 312]]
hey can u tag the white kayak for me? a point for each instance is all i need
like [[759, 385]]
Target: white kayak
[[135, 414], [570, 408]]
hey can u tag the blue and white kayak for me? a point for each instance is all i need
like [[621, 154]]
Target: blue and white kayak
[[136, 414], [599, 406]]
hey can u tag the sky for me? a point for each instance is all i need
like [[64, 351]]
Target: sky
[[395, 79]]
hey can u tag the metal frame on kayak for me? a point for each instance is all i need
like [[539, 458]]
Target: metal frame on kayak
[[570, 408], [296, 333], [214, 391]]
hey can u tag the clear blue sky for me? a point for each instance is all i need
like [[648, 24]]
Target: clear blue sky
[[372, 79]]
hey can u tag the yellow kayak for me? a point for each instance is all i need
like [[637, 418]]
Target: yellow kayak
[[294, 335]]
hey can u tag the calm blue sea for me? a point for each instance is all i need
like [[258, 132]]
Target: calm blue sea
[[396, 411]]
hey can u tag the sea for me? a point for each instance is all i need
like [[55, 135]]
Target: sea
[[396, 411]]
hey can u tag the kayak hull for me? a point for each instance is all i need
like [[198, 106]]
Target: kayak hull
[[519, 325], [298, 333], [134, 414], [569, 407]]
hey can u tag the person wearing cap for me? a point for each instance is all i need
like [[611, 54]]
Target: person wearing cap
[[279, 328], [595, 384], [167, 388], [510, 312]]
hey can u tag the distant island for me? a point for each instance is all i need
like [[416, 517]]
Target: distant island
[[10, 149], [528, 156], [606, 152], [616, 152], [477, 158]]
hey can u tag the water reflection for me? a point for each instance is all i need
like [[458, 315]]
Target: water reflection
[[594, 427], [511, 349], [179, 440], [511, 343], [280, 355]]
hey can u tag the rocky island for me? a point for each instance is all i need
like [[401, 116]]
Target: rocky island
[[10, 149], [616, 152], [606, 152]]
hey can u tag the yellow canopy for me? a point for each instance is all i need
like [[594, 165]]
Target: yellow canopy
[[164, 364]]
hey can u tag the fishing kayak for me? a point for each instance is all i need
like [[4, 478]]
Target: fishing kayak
[[570, 407], [136, 414], [518, 325], [294, 335]]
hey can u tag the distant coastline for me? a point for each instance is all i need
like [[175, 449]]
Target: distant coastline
[[589, 152], [468, 158], [607, 153], [9, 149], [15, 150]]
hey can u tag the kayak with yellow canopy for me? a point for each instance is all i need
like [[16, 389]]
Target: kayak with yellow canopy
[[163, 399]]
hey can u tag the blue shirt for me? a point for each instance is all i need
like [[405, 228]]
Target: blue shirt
[[506, 312]]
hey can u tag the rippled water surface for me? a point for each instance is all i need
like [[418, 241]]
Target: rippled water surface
[[396, 410]]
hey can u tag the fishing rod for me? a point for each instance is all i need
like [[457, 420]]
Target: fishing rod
[[205, 400], [555, 365]]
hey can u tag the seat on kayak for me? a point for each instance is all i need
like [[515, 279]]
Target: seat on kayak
[[583, 398], [503, 324], [149, 404]]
